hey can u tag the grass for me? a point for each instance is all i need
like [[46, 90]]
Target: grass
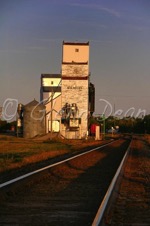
[[16, 152], [147, 138]]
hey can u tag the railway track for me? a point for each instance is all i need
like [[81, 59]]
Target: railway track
[[69, 193], [130, 202]]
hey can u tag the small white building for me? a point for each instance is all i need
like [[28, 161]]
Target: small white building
[[51, 98]]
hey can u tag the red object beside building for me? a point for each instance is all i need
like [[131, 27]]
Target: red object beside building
[[93, 129]]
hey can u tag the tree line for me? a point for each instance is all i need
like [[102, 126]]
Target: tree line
[[124, 125]]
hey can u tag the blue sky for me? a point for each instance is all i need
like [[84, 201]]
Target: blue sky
[[31, 35]]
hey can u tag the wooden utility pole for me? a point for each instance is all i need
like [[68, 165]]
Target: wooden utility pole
[[52, 114]]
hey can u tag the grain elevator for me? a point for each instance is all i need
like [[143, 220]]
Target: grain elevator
[[69, 97]]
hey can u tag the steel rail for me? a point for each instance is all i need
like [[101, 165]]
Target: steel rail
[[51, 165], [100, 213]]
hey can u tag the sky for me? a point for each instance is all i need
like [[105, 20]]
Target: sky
[[31, 36]]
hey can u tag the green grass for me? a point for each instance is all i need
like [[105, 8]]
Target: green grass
[[14, 156], [17, 152]]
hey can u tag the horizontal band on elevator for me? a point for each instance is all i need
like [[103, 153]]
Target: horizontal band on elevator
[[74, 78]]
